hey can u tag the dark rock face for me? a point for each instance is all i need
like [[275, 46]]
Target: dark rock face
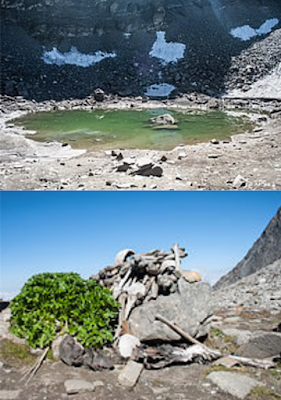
[[129, 29], [265, 251]]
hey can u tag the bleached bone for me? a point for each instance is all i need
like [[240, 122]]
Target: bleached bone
[[122, 255], [135, 291], [254, 362], [167, 354], [195, 351], [153, 269], [175, 250], [131, 301], [169, 265], [154, 291], [127, 343], [117, 290]]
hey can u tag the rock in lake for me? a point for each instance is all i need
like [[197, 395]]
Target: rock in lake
[[164, 119]]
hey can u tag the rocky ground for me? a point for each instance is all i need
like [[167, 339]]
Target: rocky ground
[[246, 322], [217, 165]]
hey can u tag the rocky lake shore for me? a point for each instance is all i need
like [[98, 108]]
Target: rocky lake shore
[[217, 165]]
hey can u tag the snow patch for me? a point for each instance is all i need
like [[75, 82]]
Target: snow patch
[[74, 57], [159, 90], [127, 35], [246, 32], [167, 52]]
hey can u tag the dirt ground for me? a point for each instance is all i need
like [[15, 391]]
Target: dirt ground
[[170, 383], [180, 382]]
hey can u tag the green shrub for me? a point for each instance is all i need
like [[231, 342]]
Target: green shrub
[[52, 302]]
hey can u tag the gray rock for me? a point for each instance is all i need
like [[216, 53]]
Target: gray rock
[[71, 352], [99, 95], [55, 347], [98, 384], [189, 307], [214, 155], [149, 170], [233, 383], [73, 386], [239, 181], [130, 374], [164, 119], [96, 360], [264, 346], [10, 394], [240, 336]]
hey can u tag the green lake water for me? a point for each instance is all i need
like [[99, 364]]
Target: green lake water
[[130, 129]]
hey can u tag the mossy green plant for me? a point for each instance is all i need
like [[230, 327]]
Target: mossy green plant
[[218, 340], [263, 393], [218, 368], [53, 302]]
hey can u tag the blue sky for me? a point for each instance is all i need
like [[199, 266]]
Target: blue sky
[[82, 231]]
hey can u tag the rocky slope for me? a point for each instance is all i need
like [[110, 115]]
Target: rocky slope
[[265, 251], [62, 49], [260, 290], [254, 63]]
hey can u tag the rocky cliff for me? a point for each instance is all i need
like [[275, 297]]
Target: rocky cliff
[[265, 251], [65, 48]]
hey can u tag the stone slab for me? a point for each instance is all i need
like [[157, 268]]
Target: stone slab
[[130, 374], [73, 386], [233, 383]]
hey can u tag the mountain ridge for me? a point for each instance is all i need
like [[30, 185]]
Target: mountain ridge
[[265, 251]]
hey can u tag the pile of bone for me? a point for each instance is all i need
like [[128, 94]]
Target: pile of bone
[[138, 278]]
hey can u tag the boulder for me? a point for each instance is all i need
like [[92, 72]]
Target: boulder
[[71, 352], [189, 307], [56, 346], [264, 346], [164, 119], [96, 360], [191, 276], [150, 170], [239, 336], [99, 95]]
